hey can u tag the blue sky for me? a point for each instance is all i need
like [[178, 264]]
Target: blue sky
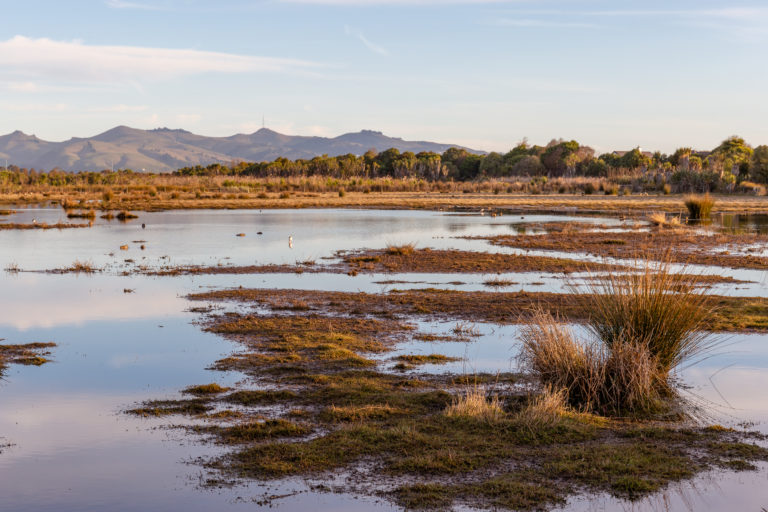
[[611, 74]]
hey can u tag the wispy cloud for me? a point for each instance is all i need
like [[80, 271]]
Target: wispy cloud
[[78, 62], [375, 48]]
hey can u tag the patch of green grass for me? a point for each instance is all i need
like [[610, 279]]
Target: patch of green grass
[[205, 389], [425, 496], [192, 407], [260, 397], [358, 413], [256, 431], [418, 359], [628, 470]]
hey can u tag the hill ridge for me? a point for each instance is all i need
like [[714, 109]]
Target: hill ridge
[[165, 149]]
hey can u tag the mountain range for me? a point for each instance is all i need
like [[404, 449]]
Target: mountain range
[[165, 150]]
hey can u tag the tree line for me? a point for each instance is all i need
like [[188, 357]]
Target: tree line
[[728, 165], [731, 162]]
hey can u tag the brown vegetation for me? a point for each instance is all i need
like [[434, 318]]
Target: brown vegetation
[[41, 225], [162, 192], [730, 313], [429, 441], [395, 259], [685, 245]]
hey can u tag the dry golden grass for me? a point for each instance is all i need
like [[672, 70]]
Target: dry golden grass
[[545, 408], [591, 376], [474, 402], [658, 219], [657, 308], [158, 192], [699, 207]]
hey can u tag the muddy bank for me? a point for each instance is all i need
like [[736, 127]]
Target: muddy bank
[[731, 314], [684, 245]]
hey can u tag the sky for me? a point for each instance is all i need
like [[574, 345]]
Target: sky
[[485, 74]]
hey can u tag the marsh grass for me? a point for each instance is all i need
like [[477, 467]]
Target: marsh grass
[[657, 308], [642, 327], [498, 282], [126, 215], [205, 389], [465, 329], [590, 375], [545, 408], [475, 403], [658, 219], [699, 207], [88, 214], [400, 250], [81, 267]]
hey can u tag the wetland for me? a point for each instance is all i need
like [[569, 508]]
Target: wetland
[[358, 359]]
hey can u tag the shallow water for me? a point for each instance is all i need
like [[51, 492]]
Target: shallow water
[[73, 449]]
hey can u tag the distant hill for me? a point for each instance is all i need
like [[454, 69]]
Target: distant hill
[[165, 150]]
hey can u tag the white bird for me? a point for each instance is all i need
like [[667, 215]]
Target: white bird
[[290, 241]]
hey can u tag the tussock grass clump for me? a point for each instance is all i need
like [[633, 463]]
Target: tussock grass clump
[[497, 281], [401, 250], [85, 267], [545, 408], [656, 308], [89, 214], [125, 215], [589, 375], [699, 207], [642, 326], [475, 403], [657, 219]]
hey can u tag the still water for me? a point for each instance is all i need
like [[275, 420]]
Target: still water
[[66, 446]]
